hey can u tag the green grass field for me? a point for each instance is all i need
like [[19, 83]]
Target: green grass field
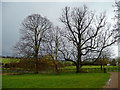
[[89, 66], [65, 80], [8, 60], [92, 69]]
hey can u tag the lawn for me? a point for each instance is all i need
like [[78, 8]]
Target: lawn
[[89, 66], [64, 80], [8, 60], [92, 69]]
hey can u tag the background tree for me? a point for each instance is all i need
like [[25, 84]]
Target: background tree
[[118, 60], [53, 44], [104, 58], [33, 31], [85, 32], [113, 62]]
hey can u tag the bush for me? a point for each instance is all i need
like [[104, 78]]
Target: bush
[[45, 63], [11, 65], [66, 63]]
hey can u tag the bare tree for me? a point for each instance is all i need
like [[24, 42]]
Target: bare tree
[[85, 32], [104, 58], [33, 32], [53, 44]]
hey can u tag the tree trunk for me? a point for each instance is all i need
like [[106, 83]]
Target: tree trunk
[[79, 64], [77, 68], [101, 66], [36, 51], [36, 61], [36, 66], [79, 54], [57, 71], [56, 68]]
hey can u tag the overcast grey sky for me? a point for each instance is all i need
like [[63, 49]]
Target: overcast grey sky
[[13, 13]]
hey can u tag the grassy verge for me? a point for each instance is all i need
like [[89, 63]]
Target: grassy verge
[[64, 80], [8, 60]]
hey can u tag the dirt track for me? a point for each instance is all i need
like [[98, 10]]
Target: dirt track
[[114, 81]]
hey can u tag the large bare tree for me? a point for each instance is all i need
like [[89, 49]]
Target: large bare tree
[[33, 31], [85, 32]]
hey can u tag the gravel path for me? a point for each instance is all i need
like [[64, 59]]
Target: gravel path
[[114, 81]]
